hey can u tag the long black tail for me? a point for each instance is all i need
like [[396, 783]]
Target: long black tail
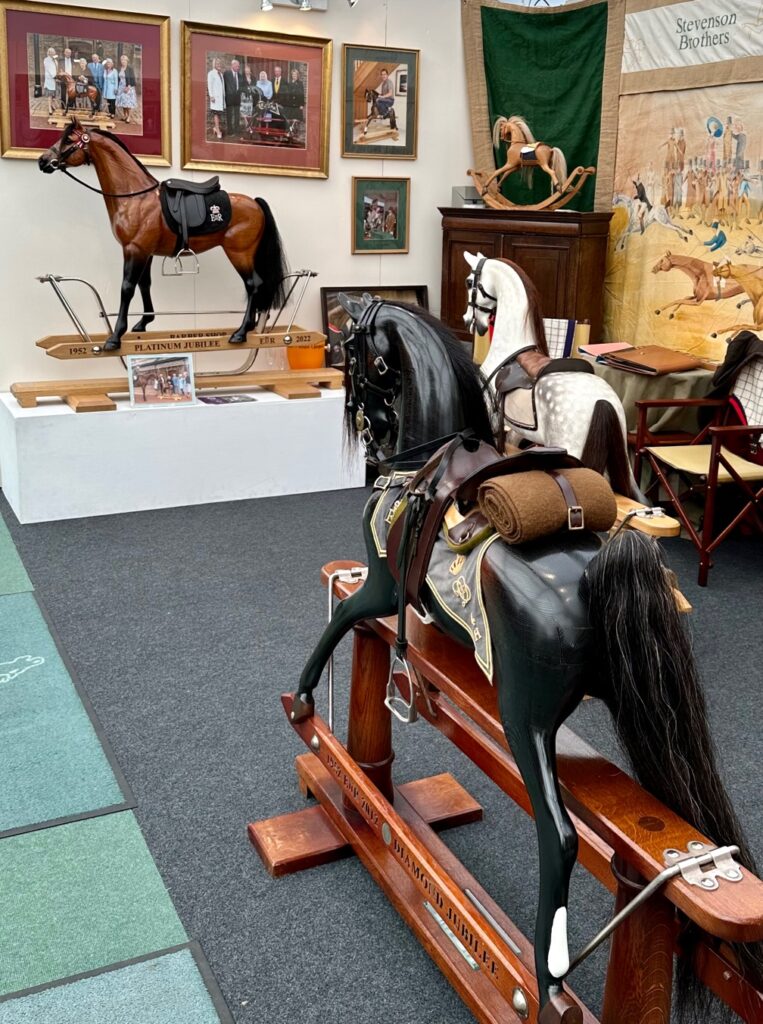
[[648, 678], [270, 263], [606, 450]]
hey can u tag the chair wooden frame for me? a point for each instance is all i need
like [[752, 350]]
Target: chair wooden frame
[[717, 433]]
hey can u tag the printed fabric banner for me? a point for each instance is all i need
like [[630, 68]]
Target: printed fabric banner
[[696, 32], [549, 72], [685, 266]]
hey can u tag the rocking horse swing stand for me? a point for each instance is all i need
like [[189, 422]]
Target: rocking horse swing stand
[[641, 851]]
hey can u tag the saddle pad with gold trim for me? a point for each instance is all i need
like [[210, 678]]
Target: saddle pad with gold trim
[[453, 579]]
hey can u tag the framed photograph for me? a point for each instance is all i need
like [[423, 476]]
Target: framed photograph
[[380, 208], [111, 68], [380, 93], [336, 319], [256, 102], [161, 382]]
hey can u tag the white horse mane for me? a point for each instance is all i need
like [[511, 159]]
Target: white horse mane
[[499, 123]]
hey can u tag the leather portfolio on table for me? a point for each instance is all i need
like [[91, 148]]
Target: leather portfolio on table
[[651, 360]]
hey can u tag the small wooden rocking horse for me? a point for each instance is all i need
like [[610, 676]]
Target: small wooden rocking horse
[[135, 199], [524, 153], [92, 92]]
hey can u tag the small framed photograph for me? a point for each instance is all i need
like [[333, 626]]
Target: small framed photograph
[[110, 68], [336, 320], [380, 94], [255, 102], [161, 382], [380, 213]]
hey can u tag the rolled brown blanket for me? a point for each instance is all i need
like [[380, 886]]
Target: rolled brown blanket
[[525, 506]]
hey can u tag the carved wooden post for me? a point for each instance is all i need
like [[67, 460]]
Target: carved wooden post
[[640, 972], [369, 731]]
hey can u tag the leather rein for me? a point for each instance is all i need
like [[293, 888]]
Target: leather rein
[[80, 140], [360, 348]]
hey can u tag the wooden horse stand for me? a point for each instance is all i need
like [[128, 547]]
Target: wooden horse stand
[[627, 838], [495, 199]]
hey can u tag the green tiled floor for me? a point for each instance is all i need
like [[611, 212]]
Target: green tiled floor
[[78, 897], [166, 990], [13, 576], [52, 764]]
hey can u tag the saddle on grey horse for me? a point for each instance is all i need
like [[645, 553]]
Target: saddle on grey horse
[[194, 208], [522, 371]]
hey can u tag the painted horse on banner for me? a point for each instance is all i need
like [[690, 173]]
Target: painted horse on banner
[[568, 614], [133, 199], [577, 411]]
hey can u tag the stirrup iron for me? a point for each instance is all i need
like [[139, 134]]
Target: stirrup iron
[[179, 268], [402, 710]]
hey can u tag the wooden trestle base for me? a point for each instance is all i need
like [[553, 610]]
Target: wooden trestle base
[[482, 953]]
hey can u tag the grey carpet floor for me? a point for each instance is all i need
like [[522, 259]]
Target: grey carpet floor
[[185, 625]]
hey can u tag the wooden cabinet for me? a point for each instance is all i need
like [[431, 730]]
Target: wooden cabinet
[[563, 254]]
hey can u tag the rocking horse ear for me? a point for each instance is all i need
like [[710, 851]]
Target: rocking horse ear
[[471, 260], [350, 305]]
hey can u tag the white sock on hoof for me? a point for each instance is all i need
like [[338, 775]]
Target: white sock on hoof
[[558, 954]]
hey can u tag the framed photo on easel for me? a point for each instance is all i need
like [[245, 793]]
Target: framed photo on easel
[[380, 94]]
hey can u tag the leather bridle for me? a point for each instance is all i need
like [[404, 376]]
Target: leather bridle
[[362, 357], [477, 292], [80, 139]]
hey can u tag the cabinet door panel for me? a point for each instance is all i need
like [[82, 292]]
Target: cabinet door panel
[[547, 266]]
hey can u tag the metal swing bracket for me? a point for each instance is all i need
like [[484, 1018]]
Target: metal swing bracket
[[690, 865], [356, 575], [181, 269]]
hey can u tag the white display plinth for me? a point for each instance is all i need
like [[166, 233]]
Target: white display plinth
[[58, 464]]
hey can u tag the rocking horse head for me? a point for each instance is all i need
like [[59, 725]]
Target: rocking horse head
[[722, 268], [71, 150], [486, 279], [408, 379]]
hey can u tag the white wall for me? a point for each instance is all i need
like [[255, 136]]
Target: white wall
[[52, 226]]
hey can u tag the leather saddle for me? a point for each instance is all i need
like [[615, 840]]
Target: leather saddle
[[453, 476], [194, 208], [522, 372]]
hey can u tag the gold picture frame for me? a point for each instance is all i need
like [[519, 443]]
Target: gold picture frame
[[269, 140], [24, 131]]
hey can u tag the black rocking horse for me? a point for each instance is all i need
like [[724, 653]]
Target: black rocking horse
[[567, 615], [375, 113]]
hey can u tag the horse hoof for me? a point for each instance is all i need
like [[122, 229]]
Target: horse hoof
[[112, 345], [236, 339], [657, 312], [671, 316], [302, 708], [713, 335]]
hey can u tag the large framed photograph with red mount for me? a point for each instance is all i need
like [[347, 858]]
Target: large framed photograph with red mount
[[109, 68], [256, 102]]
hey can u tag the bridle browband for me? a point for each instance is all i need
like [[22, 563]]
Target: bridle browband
[[79, 140]]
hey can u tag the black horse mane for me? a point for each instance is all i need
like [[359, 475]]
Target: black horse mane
[[477, 402], [123, 145]]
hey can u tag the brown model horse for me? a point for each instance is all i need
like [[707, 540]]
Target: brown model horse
[[92, 92], [706, 286], [519, 140], [250, 241], [751, 280]]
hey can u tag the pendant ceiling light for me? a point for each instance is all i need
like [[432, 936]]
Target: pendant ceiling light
[[265, 5], [305, 5], [352, 2]]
